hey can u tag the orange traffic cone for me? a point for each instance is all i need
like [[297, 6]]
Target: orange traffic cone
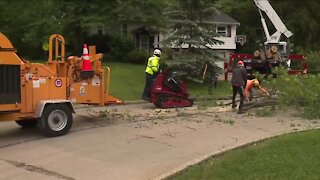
[[86, 65]]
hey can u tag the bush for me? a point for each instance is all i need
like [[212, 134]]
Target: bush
[[137, 56], [119, 48], [313, 62], [100, 41]]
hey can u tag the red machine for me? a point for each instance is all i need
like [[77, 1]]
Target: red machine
[[168, 92]]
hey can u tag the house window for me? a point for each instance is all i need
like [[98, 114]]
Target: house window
[[222, 30], [100, 30], [144, 42], [124, 29]]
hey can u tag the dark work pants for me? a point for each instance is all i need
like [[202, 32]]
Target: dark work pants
[[237, 89], [149, 82]]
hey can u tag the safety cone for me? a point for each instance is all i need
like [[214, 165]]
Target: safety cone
[[86, 65]]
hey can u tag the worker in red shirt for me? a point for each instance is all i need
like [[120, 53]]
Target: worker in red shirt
[[254, 83]]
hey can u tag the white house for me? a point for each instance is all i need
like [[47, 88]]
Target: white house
[[226, 27]]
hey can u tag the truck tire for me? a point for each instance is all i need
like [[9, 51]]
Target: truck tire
[[27, 123], [56, 120]]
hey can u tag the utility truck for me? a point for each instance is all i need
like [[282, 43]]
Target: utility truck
[[272, 52]]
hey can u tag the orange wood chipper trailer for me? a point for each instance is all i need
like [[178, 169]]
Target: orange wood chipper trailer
[[33, 94]]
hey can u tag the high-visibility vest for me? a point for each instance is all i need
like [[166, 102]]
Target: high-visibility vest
[[153, 65]]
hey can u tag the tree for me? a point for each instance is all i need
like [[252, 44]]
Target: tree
[[146, 11], [28, 24], [77, 17], [191, 35]]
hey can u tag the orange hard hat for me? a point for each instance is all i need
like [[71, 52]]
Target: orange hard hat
[[240, 63]]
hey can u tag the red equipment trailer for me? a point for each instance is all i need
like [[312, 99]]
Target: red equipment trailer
[[298, 64]]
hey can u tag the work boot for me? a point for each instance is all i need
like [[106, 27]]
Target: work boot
[[234, 106]]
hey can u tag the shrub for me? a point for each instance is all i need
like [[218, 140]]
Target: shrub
[[137, 56], [100, 41], [119, 48], [314, 62]]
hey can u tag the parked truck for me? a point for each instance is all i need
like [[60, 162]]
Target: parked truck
[[273, 52]]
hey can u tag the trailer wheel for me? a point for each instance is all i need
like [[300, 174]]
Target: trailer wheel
[[56, 120], [27, 123]]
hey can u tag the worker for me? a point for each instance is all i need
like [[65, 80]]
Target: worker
[[254, 83], [151, 73], [238, 81]]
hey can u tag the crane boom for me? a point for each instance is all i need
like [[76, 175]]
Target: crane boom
[[266, 7]]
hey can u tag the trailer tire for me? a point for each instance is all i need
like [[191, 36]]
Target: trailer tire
[[27, 123], [56, 120]]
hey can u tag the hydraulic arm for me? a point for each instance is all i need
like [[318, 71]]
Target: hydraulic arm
[[266, 7]]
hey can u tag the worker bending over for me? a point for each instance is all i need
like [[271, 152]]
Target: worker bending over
[[254, 83]]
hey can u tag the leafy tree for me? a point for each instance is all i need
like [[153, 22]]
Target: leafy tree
[[28, 24], [191, 35], [146, 11], [77, 17]]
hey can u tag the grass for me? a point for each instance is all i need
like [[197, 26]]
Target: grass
[[128, 80], [201, 90], [291, 156]]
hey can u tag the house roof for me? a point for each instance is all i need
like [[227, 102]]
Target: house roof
[[223, 18]]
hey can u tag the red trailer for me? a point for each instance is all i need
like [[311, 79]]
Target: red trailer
[[295, 63]]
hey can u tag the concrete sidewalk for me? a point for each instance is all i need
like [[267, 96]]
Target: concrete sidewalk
[[145, 147]]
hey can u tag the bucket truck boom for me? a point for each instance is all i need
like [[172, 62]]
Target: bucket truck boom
[[273, 52], [266, 7]]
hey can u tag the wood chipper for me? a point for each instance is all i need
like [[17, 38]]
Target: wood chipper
[[34, 94]]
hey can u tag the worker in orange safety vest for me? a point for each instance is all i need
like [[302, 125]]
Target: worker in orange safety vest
[[254, 83]]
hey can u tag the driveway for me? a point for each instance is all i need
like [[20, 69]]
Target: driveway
[[135, 141]]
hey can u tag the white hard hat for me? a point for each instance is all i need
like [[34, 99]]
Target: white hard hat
[[157, 51]]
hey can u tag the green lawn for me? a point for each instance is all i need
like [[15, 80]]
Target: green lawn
[[127, 83], [127, 80], [201, 90], [291, 156]]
